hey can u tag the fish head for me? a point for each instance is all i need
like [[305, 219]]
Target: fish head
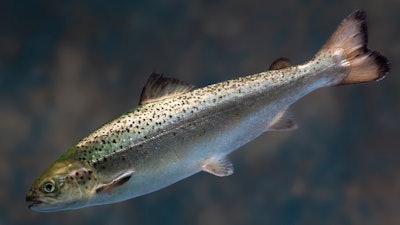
[[64, 185]]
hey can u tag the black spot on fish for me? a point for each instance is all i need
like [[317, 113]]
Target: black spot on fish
[[114, 141]]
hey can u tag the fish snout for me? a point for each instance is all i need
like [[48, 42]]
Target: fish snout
[[32, 198]]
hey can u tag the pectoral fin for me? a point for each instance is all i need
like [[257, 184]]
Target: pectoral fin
[[218, 166], [117, 181]]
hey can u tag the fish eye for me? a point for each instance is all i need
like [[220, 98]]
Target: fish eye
[[49, 186]]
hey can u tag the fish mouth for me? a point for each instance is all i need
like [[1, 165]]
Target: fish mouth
[[33, 203], [40, 205]]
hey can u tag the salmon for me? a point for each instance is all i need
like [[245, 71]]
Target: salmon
[[178, 130]]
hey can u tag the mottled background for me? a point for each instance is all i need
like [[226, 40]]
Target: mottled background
[[67, 67]]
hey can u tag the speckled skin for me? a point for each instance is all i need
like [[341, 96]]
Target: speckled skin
[[168, 140]]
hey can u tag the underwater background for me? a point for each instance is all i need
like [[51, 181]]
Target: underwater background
[[67, 67]]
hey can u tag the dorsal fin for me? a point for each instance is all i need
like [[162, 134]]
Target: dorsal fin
[[159, 87], [279, 63]]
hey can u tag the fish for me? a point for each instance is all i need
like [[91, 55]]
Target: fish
[[178, 130]]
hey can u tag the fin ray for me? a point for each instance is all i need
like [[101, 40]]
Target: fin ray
[[218, 166]]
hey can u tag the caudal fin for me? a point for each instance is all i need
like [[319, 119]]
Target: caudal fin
[[351, 37]]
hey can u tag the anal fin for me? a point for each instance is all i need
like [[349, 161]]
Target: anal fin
[[283, 121], [218, 166]]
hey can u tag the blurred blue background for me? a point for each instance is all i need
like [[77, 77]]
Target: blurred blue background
[[66, 67]]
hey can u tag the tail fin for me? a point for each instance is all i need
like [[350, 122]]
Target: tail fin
[[352, 36]]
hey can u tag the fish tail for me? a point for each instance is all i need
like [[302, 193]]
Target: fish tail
[[350, 39]]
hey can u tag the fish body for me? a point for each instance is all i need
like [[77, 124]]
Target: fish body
[[177, 130]]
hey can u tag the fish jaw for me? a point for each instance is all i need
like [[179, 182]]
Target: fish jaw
[[39, 204], [42, 203], [66, 184], [51, 205]]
